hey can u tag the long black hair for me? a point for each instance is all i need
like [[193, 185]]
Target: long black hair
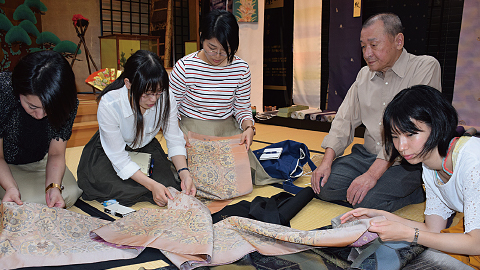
[[146, 74], [421, 103], [47, 75], [223, 26]]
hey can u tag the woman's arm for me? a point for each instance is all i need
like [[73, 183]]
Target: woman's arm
[[110, 120], [176, 142], [395, 228], [177, 81], [248, 133], [187, 182], [242, 110], [459, 243], [55, 171], [12, 194], [361, 213]]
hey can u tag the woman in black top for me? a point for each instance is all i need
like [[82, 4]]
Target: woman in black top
[[38, 104]]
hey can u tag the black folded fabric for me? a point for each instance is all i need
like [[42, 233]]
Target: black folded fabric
[[279, 209]]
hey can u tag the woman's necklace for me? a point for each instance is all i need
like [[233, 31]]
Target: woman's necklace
[[444, 162]]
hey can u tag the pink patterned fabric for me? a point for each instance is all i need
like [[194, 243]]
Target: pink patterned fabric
[[185, 234], [36, 235], [219, 166], [185, 228]]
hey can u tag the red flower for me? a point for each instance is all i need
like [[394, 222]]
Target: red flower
[[78, 17]]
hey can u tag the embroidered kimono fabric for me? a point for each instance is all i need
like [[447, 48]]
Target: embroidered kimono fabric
[[184, 233], [219, 166], [36, 235]]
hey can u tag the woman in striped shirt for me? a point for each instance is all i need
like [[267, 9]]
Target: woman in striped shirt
[[212, 87]]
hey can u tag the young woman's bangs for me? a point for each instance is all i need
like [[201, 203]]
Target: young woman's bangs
[[403, 125]]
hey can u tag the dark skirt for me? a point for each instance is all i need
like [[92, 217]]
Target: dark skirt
[[99, 181]]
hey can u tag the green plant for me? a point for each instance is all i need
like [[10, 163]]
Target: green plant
[[19, 35], [122, 60]]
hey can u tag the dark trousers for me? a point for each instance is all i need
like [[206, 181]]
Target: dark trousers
[[399, 186]]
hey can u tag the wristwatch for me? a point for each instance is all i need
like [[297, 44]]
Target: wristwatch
[[415, 237], [53, 185], [253, 128]]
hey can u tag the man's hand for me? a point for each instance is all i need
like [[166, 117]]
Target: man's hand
[[321, 174], [359, 188], [361, 185]]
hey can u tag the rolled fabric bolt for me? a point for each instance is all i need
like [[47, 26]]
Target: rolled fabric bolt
[[306, 113], [313, 116], [331, 117], [322, 117]]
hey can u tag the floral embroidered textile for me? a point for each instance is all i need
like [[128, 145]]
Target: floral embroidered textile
[[184, 233], [36, 235], [219, 166]]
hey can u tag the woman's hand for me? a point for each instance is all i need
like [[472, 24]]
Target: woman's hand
[[54, 198], [187, 143], [187, 183], [247, 138], [389, 230], [161, 194], [248, 133], [360, 213], [12, 195]]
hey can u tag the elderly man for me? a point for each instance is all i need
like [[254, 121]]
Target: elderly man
[[365, 178]]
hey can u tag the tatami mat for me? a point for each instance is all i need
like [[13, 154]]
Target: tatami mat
[[316, 214], [313, 139]]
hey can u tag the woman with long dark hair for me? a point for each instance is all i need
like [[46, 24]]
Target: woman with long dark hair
[[131, 112]]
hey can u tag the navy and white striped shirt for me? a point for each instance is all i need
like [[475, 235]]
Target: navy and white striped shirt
[[208, 92]]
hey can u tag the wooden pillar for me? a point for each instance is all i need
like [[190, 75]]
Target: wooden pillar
[[168, 35]]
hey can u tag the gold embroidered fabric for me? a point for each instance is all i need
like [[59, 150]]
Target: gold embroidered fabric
[[36, 235], [184, 233], [219, 166]]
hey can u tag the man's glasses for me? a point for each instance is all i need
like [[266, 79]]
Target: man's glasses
[[214, 53]]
